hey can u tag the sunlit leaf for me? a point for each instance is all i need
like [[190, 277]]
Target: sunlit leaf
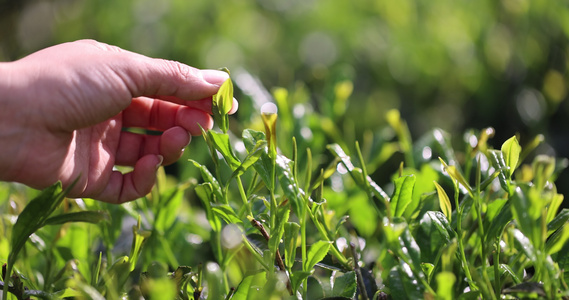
[[222, 102], [226, 212], [444, 201], [315, 254], [403, 194], [511, 150], [252, 157], [445, 285], [250, 287], [457, 176]]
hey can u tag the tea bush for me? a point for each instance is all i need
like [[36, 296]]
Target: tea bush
[[263, 210]]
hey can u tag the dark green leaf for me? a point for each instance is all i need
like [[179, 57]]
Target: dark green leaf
[[403, 284], [557, 240], [93, 217], [559, 220], [345, 285]]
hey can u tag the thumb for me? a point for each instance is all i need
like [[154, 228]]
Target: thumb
[[159, 77]]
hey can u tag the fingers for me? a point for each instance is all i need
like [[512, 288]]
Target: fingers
[[160, 115], [130, 186], [170, 145]]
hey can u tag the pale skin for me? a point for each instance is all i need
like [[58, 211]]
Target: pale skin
[[63, 110]]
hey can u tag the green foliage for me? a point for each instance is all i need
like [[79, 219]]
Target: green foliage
[[258, 220]]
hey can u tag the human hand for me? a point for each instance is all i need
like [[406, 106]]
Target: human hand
[[63, 110]]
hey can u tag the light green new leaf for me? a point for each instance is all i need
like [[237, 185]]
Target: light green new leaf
[[444, 201], [222, 102], [226, 212], [457, 176], [511, 150], [403, 194], [316, 253], [445, 285]]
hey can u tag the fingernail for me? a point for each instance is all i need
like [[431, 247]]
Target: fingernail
[[214, 76], [161, 159], [189, 141]]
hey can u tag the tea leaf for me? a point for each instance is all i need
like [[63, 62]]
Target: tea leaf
[[497, 159], [297, 277], [345, 285], [403, 284], [457, 176], [403, 194], [316, 253], [252, 157], [511, 150], [93, 217], [270, 122], [277, 233], [205, 193], [250, 287], [214, 185], [222, 102], [226, 212], [291, 230], [557, 240], [558, 221], [222, 144], [290, 187], [445, 285], [444, 201]]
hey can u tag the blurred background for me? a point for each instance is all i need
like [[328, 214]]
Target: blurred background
[[451, 64]]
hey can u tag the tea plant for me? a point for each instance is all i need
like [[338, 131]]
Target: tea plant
[[282, 217]]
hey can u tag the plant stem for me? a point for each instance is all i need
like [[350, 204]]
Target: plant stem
[[243, 195], [464, 262]]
